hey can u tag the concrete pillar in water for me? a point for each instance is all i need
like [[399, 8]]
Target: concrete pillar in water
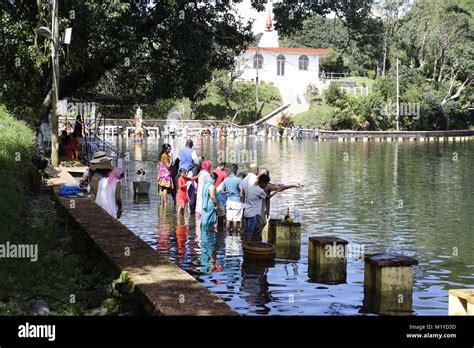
[[388, 284], [461, 302], [327, 262], [365, 139], [286, 236]]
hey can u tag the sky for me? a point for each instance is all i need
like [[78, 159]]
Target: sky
[[245, 10]]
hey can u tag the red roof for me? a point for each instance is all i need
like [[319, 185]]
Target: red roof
[[292, 50]]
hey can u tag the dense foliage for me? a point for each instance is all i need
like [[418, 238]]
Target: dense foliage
[[433, 41], [121, 48], [223, 98]]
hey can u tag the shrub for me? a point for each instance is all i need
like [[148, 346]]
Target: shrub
[[333, 94], [371, 74]]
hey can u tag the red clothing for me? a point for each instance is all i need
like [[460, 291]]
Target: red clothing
[[68, 150], [221, 175], [182, 197]]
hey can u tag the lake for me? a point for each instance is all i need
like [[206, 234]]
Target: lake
[[402, 197]]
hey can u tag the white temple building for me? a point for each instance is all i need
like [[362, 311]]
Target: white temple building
[[292, 70]]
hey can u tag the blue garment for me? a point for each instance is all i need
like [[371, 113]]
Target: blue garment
[[69, 190], [221, 198], [185, 158], [232, 185], [250, 223], [208, 213], [208, 244]]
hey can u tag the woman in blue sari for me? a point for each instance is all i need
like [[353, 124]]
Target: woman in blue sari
[[209, 204]]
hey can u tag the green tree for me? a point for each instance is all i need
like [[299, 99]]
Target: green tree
[[126, 49]]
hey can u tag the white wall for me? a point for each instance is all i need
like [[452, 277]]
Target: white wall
[[294, 79]]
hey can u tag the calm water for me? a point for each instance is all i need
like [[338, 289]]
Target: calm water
[[410, 198]]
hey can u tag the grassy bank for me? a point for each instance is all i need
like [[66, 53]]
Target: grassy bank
[[69, 274]]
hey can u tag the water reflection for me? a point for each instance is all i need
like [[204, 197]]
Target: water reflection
[[212, 251], [255, 286]]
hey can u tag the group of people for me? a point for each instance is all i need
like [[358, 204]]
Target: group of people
[[215, 196], [69, 146]]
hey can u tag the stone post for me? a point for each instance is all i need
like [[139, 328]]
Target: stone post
[[327, 261], [388, 284], [286, 236]]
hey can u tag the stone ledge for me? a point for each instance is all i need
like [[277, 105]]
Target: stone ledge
[[328, 240], [390, 260], [163, 284]]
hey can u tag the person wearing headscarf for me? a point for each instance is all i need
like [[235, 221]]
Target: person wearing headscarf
[[209, 204], [109, 193], [203, 174]]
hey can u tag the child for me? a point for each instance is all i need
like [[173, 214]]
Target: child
[[182, 197]]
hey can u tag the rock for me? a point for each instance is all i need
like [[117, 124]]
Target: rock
[[39, 307], [51, 172]]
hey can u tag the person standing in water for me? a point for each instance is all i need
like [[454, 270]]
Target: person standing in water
[[182, 198], [203, 174], [221, 173], [165, 180], [234, 207], [209, 204], [255, 196], [271, 190]]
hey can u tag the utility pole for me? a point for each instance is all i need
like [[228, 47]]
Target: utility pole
[[55, 96], [398, 100], [256, 80]]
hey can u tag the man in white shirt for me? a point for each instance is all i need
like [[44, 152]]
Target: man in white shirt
[[254, 199], [250, 179]]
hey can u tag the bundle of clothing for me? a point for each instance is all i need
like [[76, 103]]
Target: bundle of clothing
[[70, 190]]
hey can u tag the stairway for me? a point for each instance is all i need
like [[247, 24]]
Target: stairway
[[293, 97]]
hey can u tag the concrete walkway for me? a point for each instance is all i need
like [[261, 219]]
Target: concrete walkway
[[169, 289]]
